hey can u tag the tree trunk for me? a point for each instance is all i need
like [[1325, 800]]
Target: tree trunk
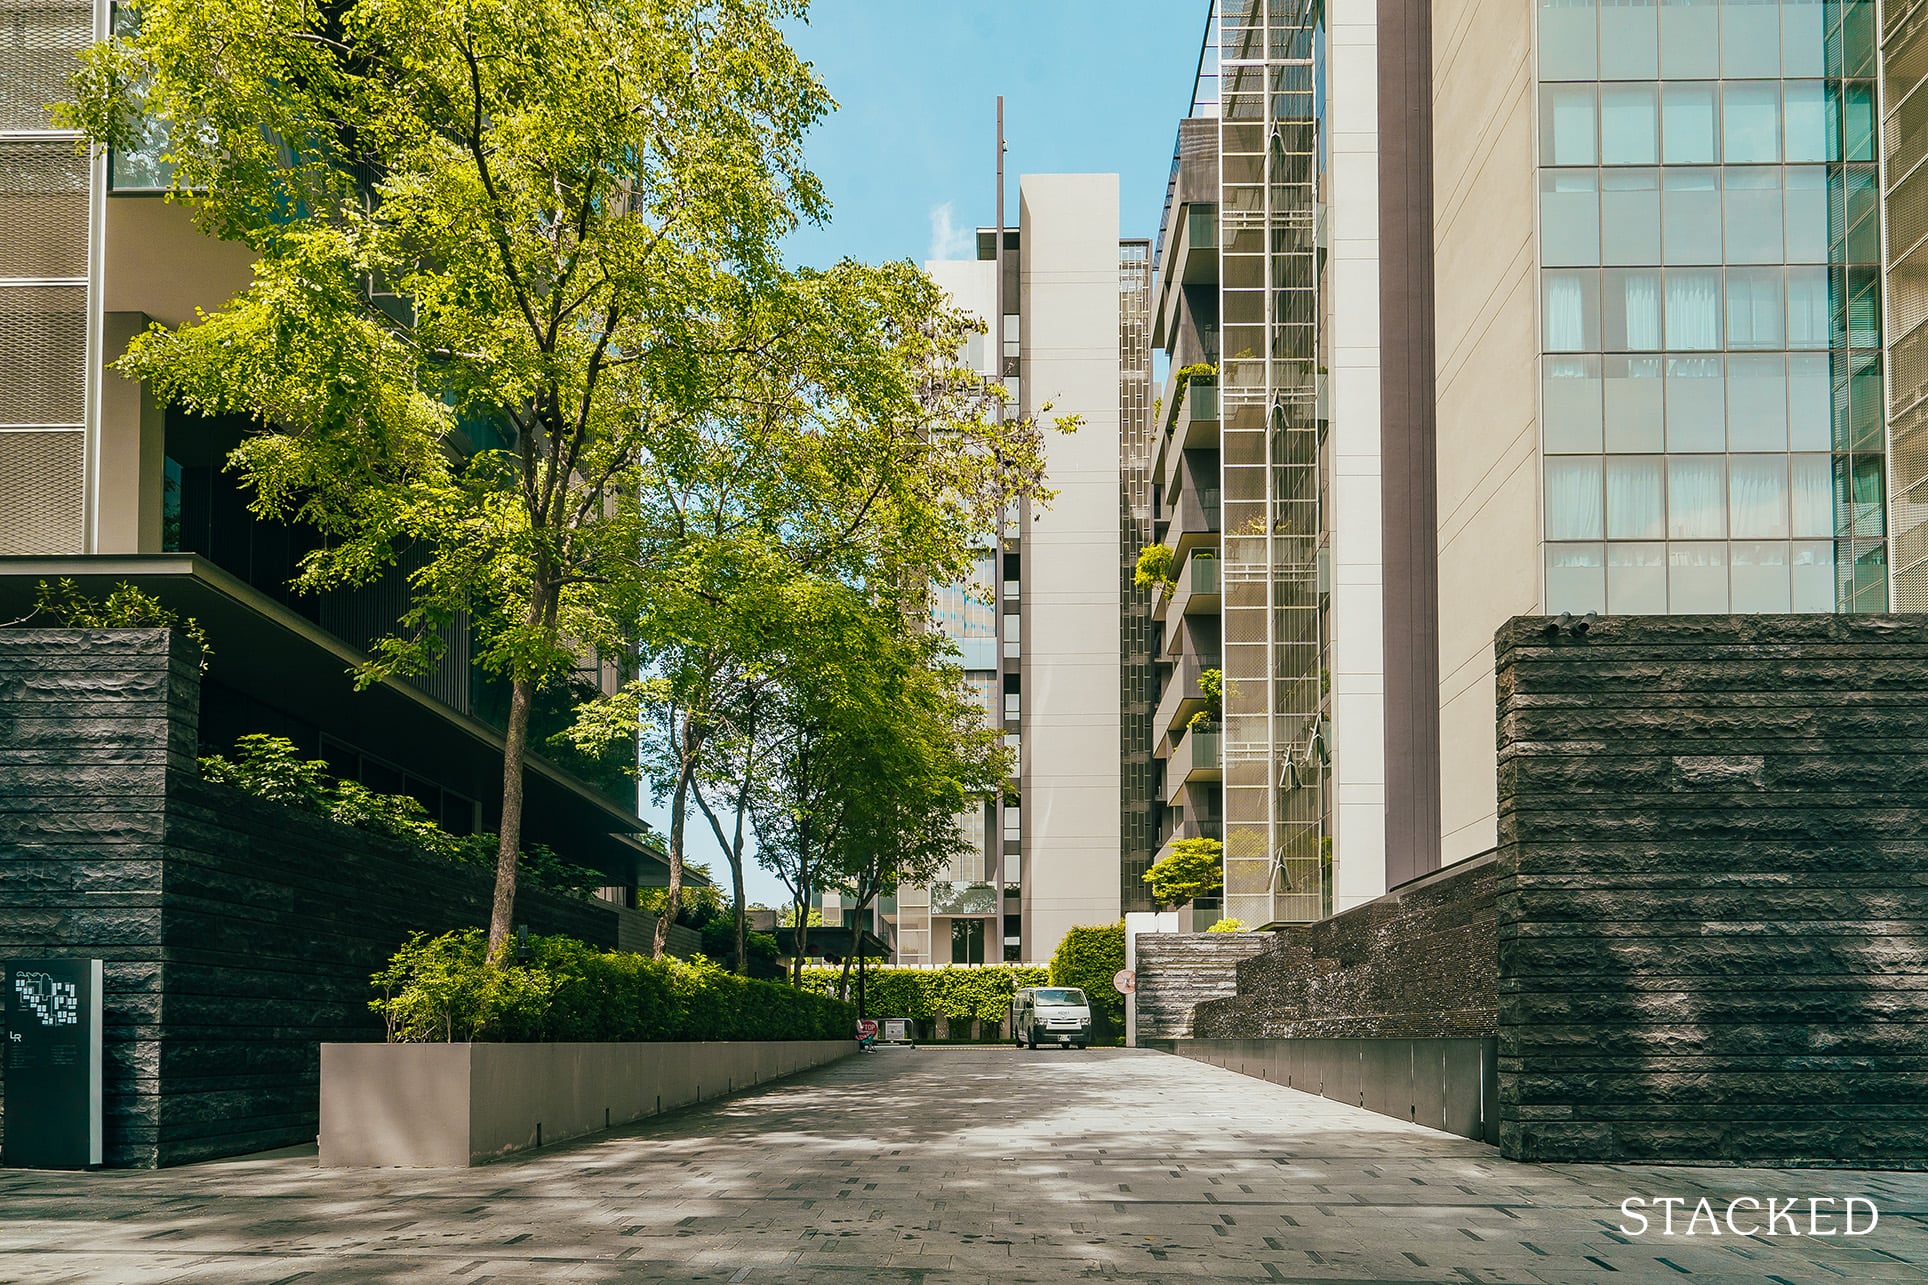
[[861, 1010], [509, 848], [678, 812]]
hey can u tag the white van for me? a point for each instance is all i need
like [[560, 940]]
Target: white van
[[1051, 1015]]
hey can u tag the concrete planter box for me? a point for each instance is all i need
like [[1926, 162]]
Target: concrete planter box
[[437, 1106]]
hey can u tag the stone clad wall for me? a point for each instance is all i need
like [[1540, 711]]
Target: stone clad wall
[[1713, 894], [1417, 963], [1179, 971], [237, 934]]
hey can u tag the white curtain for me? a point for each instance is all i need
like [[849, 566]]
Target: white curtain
[[1643, 312], [1573, 501], [1693, 310], [1696, 497], [1566, 313], [1813, 496], [1757, 496], [1635, 510]]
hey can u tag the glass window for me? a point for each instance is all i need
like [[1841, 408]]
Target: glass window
[[1807, 214], [1759, 577], [1752, 214], [1630, 218], [1570, 218], [1689, 38], [1803, 38], [1750, 38], [1693, 309], [1635, 510], [1691, 224], [1574, 508], [1697, 497], [1756, 312], [1757, 496], [1567, 125], [1687, 125], [1811, 496], [1751, 122], [1807, 307], [1637, 579], [1696, 407], [1627, 125], [1756, 402], [1575, 578], [1811, 571], [1857, 121], [1630, 310], [1809, 419], [1571, 311], [1570, 403], [1633, 414], [1569, 47], [1696, 579], [1807, 120], [1629, 44]]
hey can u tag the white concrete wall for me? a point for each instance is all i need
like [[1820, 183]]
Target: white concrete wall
[[1068, 267], [1487, 349], [1358, 601]]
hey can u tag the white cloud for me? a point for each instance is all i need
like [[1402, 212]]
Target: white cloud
[[948, 241]]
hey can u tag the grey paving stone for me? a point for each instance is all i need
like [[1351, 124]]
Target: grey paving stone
[[948, 1167]]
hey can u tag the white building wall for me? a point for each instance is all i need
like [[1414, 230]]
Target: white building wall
[[1358, 603], [1068, 267]]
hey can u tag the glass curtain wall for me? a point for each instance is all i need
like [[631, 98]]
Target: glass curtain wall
[[1712, 421], [1275, 813], [1904, 147]]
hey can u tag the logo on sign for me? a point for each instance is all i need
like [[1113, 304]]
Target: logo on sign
[[54, 1003]]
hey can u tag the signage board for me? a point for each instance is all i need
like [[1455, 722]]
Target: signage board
[[1125, 981], [866, 1028], [896, 1030], [53, 1019]]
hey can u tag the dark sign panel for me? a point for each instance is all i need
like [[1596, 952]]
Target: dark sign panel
[[53, 1063]]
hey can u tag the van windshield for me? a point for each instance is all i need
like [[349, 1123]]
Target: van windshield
[[1061, 998]]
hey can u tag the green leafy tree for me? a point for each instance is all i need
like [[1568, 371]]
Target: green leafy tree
[[492, 239], [1089, 958], [1154, 568], [1195, 868]]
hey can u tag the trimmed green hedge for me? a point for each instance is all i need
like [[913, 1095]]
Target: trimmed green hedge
[[440, 989], [925, 993], [1089, 958]]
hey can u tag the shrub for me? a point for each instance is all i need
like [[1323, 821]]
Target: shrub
[[957, 993], [440, 989], [272, 768], [1227, 926], [125, 607], [1089, 958], [1194, 869], [1154, 568]]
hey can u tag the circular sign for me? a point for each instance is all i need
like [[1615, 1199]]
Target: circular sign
[[1126, 981], [866, 1028]]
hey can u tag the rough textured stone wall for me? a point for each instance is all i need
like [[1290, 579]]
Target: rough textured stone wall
[[1417, 963], [237, 934], [1713, 894], [1179, 971]]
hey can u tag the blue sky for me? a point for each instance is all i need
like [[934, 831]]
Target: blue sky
[[1090, 86], [908, 159]]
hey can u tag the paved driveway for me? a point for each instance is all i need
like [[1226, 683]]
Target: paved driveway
[[946, 1166]]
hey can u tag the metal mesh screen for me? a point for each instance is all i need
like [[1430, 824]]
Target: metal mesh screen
[[38, 41], [43, 355], [42, 493], [43, 210]]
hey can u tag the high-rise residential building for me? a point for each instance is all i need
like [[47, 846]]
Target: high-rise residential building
[[1475, 311], [1064, 302]]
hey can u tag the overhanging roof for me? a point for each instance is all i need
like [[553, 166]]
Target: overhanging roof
[[273, 655]]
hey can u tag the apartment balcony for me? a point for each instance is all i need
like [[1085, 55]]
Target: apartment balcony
[[1197, 594], [1195, 760], [1190, 258], [1181, 697], [1188, 826], [1194, 522]]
